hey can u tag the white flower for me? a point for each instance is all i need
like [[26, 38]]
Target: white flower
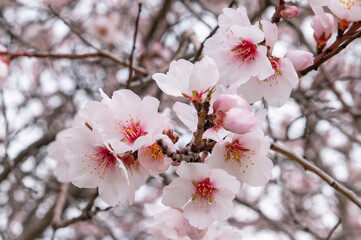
[[152, 158], [277, 88], [186, 79], [238, 54], [243, 156], [128, 122], [93, 163], [205, 193]]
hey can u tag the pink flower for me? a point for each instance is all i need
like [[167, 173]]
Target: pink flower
[[238, 54], [289, 12], [57, 151], [128, 122], [186, 79], [243, 156], [277, 88], [205, 193], [152, 158], [233, 16], [170, 224], [93, 163], [324, 26], [300, 59], [347, 10], [105, 28]]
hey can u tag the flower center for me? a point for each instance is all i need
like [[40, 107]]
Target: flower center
[[245, 51], [155, 152], [131, 130], [203, 191], [239, 154], [102, 161], [275, 62], [348, 4]]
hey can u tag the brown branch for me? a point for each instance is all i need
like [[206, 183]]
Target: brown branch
[[102, 53], [24, 153], [50, 55], [86, 214], [199, 52], [277, 15], [324, 176], [340, 44], [333, 229], [60, 202], [277, 225], [133, 48]]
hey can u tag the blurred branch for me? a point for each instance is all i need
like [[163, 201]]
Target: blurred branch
[[60, 202], [133, 48], [87, 214], [102, 53], [327, 178], [277, 225], [340, 44], [47, 138], [277, 15], [199, 52], [333, 229]]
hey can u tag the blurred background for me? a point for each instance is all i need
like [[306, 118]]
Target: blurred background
[[321, 122]]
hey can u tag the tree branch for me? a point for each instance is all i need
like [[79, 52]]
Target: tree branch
[[324, 176]]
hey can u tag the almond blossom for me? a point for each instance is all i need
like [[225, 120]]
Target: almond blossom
[[93, 163], [238, 53], [187, 79], [152, 158], [277, 88], [206, 194], [243, 156], [128, 122]]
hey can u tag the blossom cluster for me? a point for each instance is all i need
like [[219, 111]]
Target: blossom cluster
[[117, 143]]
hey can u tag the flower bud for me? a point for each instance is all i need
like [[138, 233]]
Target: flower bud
[[225, 102], [300, 59], [289, 12], [324, 26], [236, 120]]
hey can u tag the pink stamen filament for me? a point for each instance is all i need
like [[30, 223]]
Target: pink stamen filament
[[102, 161], [245, 51], [204, 191]]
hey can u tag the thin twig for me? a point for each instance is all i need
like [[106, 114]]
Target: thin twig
[[277, 15], [340, 44], [24, 153], [85, 215], [102, 53], [133, 48], [199, 52], [275, 224], [327, 178], [60, 202], [333, 229], [13, 55]]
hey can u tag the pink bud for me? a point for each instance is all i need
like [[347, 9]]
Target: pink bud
[[324, 26], [289, 12], [225, 102], [236, 120], [300, 59]]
